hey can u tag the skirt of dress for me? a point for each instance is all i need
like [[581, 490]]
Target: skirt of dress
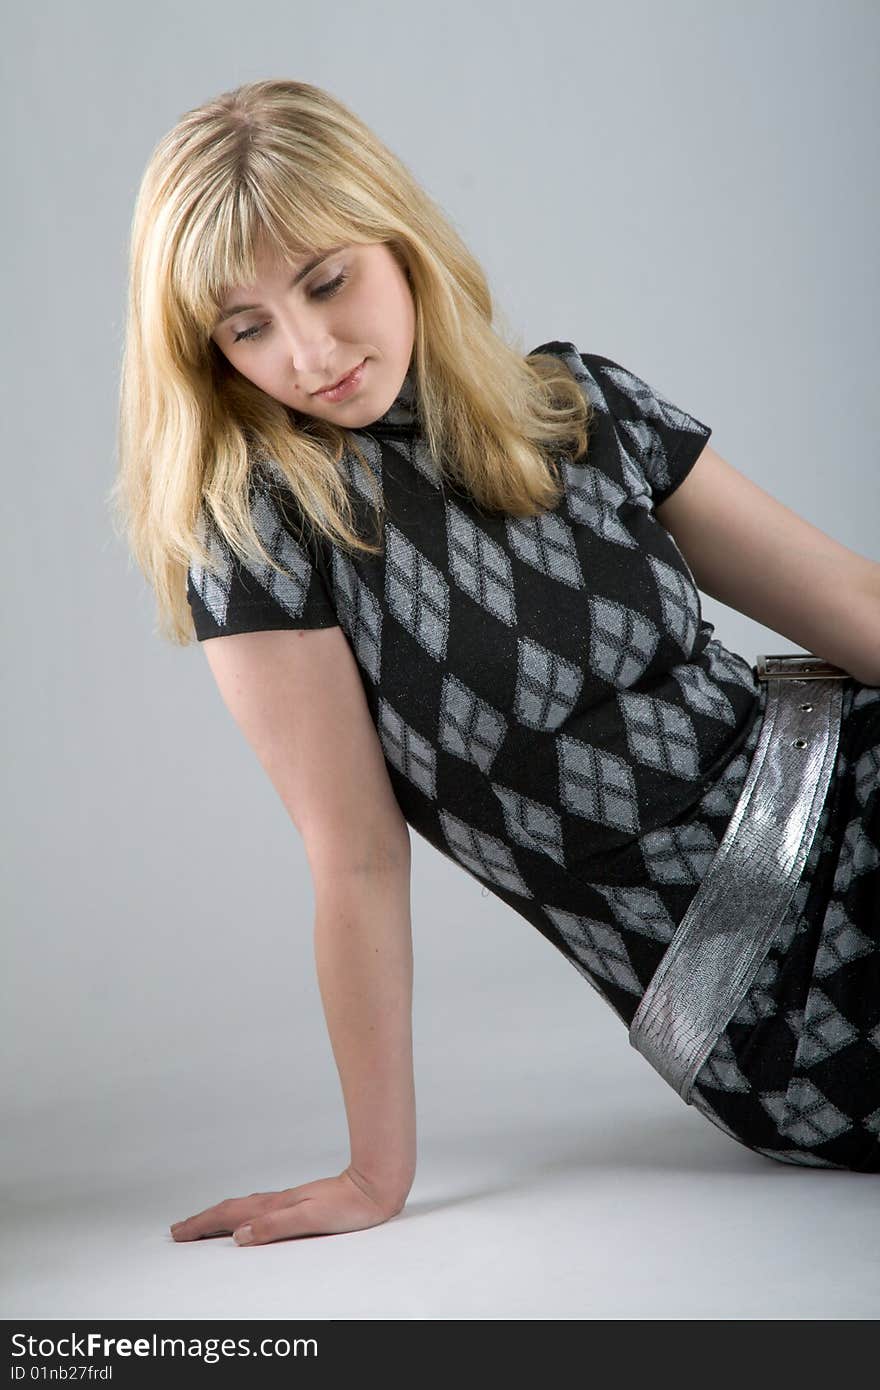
[[796, 1073]]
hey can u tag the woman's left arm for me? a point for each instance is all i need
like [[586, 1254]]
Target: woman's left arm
[[753, 553]]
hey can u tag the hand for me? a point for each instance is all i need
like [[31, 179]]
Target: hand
[[328, 1206]]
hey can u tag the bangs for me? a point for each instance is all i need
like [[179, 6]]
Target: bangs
[[227, 236]]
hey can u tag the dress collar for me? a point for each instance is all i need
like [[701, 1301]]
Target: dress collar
[[402, 418], [402, 414]]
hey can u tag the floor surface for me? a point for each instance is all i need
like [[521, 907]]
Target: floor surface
[[542, 1193]]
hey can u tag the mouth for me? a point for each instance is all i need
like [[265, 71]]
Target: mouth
[[343, 385]]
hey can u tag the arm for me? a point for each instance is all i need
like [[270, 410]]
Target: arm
[[297, 698], [748, 550], [363, 950]]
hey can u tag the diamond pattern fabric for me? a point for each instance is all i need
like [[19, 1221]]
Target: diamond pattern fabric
[[558, 719]]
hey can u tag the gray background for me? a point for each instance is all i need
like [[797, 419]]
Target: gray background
[[688, 188]]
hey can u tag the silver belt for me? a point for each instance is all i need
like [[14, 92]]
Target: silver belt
[[732, 919]]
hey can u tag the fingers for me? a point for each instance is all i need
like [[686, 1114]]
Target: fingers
[[307, 1217], [223, 1218], [211, 1222]]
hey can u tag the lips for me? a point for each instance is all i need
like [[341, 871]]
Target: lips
[[325, 389]]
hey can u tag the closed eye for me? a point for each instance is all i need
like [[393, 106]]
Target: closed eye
[[325, 291]]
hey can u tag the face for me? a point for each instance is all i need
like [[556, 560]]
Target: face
[[291, 339]]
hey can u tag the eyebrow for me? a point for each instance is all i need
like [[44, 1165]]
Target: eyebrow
[[300, 275]]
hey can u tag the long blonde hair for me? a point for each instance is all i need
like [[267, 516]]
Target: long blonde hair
[[285, 166]]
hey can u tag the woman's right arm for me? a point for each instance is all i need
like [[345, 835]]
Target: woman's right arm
[[298, 699]]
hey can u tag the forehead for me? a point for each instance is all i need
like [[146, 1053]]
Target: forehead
[[271, 263], [266, 263]]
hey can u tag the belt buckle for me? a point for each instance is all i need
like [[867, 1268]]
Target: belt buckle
[[799, 666]]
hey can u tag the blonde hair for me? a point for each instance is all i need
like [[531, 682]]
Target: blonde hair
[[284, 166]]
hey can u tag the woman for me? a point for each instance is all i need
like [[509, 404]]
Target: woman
[[459, 592]]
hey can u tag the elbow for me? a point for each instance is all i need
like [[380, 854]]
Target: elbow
[[383, 854]]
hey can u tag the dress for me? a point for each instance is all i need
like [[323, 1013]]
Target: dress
[[558, 719]]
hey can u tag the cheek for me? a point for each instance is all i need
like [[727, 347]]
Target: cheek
[[238, 361], [260, 367]]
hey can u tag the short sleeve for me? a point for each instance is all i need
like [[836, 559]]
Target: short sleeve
[[252, 596], [662, 439]]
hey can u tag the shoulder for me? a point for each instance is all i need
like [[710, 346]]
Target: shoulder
[[597, 374]]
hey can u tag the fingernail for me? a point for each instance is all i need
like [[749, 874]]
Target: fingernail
[[177, 1225], [244, 1235]]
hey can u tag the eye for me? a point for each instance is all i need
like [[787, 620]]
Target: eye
[[248, 334], [325, 291], [330, 287]]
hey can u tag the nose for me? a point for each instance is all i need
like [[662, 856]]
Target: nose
[[310, 350]]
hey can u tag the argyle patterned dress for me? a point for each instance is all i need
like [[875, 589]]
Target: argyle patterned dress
[[559, 720]]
